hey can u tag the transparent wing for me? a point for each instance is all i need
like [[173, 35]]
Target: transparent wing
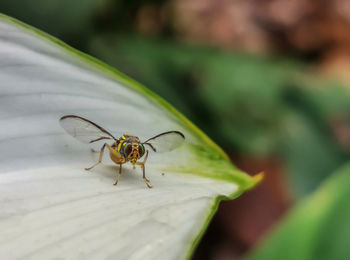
[[166, 141], [84, 130]]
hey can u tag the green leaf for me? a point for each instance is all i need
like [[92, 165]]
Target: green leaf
[[317, 228], [51, 207]]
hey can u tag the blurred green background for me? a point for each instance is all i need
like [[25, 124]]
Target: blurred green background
[[267, 80]]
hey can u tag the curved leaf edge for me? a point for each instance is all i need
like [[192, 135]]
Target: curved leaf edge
[[213, 209], [215, 205], [233, 175]]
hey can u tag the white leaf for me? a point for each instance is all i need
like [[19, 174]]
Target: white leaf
[[50, 207]]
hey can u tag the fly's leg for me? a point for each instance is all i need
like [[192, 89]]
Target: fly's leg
[[99, 159], [119, 174], [146, 156], [142, 164], [116, 157], [144, 175]]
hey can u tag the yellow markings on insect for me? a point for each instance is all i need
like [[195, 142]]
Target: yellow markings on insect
[[120, 144]]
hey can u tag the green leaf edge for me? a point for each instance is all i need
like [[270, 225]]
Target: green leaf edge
[[210, 215], [243, 181]]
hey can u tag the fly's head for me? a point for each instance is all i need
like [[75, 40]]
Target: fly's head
[[132, 148]]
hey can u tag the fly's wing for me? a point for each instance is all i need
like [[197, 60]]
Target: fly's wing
[[165, 142], [84, 130]]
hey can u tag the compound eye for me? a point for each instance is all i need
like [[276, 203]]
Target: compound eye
[[127, 149], [141, 150]]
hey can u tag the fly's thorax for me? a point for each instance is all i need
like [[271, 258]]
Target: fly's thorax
[[130, 138]]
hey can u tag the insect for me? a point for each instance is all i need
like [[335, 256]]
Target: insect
[[128, 148]]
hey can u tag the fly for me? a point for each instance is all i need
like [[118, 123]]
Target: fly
[[128, 148]]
